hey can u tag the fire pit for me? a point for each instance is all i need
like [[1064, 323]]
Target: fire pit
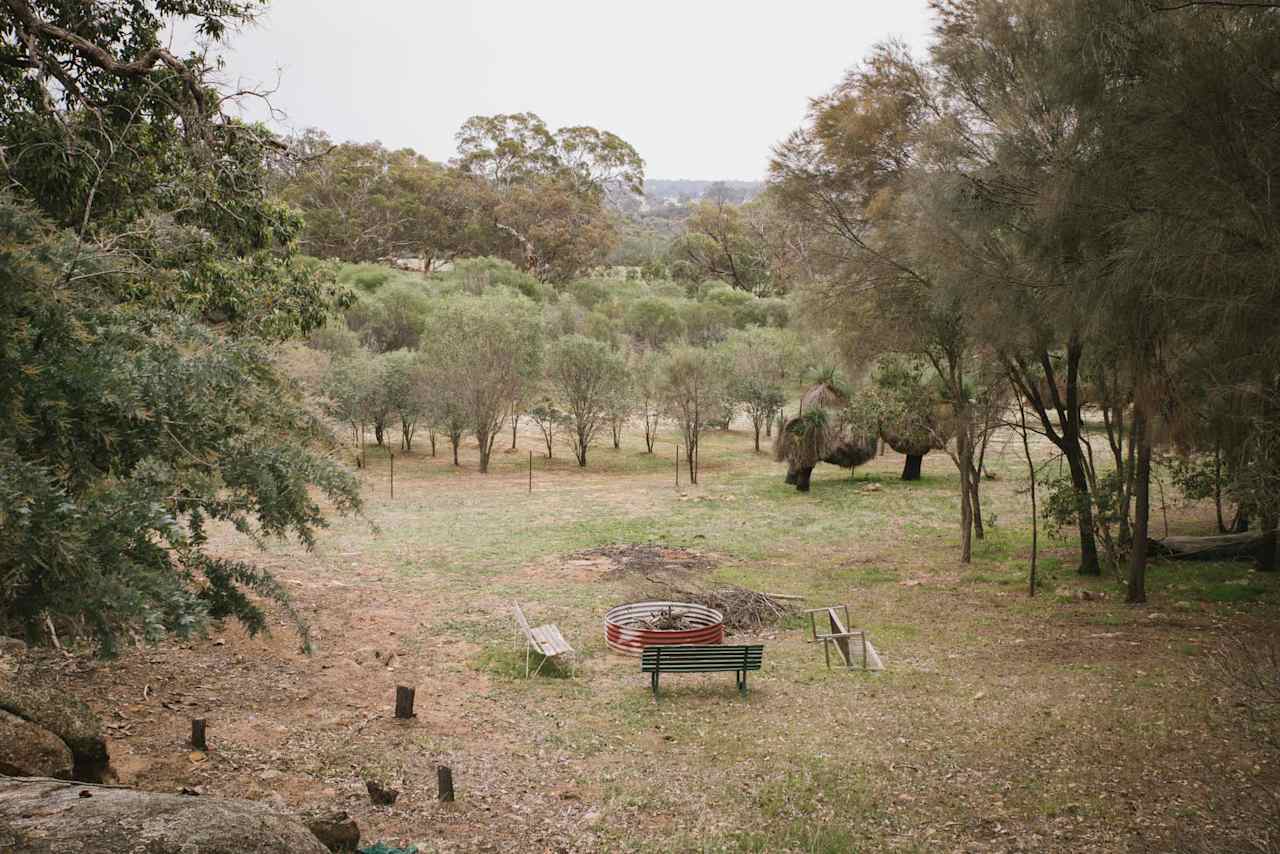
[[628, 629]]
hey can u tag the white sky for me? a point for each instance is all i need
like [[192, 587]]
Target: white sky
[[701, 88]]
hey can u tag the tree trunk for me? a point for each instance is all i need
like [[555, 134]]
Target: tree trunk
[[1142, 512], [431, 434], [911, 468], [963, 451], [378, 427], [1267, 543], [455, 441], [1067, 412], [515, 421], [755, 423], [484, 439], [975, 483], [1031, 480], [802, 479], [1217, 487], [1089, 564]]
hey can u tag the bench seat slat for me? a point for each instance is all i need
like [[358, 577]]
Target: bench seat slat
[[549, 641]]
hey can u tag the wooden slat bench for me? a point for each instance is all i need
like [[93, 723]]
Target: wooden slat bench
[[702, 658], [546, 640]]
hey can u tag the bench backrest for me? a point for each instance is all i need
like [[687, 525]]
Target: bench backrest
[[701, 658], [521, 621]]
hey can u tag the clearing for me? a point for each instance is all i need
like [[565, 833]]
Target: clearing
[[1002, 723]]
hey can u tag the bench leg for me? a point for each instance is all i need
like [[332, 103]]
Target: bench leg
[[655, 684], [742, 681]]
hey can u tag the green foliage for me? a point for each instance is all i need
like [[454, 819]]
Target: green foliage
[[483, 353], [145, 272], [719, 244], [653, 322], [476, 275], [391, 319], [585, 374], [127, 430]]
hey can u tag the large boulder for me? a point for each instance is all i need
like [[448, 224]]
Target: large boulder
[[51, 817], [27, 750], [67, 718]]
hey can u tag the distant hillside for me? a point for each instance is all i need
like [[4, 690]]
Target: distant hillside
[[672, 198], [685, 190]]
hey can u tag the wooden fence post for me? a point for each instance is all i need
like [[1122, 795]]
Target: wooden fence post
[[444, 783], [404, 702], [197, 734]]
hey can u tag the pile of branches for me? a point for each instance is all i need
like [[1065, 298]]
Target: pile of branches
[[744, 610]]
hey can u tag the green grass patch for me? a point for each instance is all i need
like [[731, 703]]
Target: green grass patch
[[507, 662]]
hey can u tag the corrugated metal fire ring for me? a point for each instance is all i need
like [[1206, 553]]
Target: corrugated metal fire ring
[[629, 640]]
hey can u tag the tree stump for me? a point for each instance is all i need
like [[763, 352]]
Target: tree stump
[[444, 782], [197, 734], [404, 702]]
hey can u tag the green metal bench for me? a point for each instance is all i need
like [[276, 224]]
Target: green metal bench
[[702, 658]]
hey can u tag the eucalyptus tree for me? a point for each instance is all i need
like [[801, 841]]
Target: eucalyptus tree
[[718, 243], [762, 362], [646, 384], [694, 389], [484, 352], [551, 187], [585, 374]]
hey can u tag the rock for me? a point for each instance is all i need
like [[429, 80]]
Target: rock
[[337, 830], [373, 656], [26, 750], [381, 795], [49, 817], [12, 646], [67, 718]]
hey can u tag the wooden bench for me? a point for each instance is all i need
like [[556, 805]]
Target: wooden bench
[[545, 640], [702, 658]]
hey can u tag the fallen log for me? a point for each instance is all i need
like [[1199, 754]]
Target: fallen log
[[1244, 546]]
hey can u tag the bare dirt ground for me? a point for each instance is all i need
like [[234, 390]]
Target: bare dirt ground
[[1002, 723]]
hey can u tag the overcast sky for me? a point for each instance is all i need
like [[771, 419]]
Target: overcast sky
[[701, 88]]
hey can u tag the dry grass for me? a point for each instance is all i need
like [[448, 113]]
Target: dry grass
[[1001, 723]]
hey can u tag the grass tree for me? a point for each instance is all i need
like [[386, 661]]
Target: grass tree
[[585, 374], [483, 352]]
